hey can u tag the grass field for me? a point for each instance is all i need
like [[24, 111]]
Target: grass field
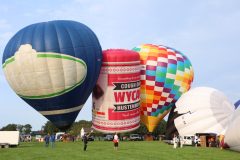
[[101, 150]]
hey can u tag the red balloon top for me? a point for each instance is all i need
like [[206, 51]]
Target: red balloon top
[[120, 55]]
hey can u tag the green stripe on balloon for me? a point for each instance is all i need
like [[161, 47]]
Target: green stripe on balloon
[[61, 56], [9, 60], [53, 94]]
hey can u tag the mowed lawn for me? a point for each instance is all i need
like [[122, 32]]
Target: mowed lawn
[[102, 150]]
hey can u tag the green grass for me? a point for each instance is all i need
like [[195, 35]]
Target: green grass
[[104, 151]]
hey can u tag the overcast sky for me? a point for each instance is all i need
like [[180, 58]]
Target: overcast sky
[[206, 31]]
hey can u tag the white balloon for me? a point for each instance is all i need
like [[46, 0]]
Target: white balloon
[[204, 110], [232, 135]]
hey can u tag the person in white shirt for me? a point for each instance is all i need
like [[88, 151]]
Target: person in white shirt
[[181, 141], [115, 141], [175, 141], [196, 141]]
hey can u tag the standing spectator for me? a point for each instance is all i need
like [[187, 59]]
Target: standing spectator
[[52, 140], [115, 141], [196, 140], [181, 141], [210, 142], [175, 141], [218, 141], [46, 139], [85, 141]]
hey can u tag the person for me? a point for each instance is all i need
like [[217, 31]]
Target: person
[[52, 140], [115, 141], [181, 141], [85, 141], [218, 141], [221, 140], [196, 140], [46, 139], [175, 141]]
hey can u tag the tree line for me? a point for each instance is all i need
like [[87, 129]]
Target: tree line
[[75, 129], [24, 129]]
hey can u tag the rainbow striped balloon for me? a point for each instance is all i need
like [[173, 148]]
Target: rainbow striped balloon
[[165, 75]]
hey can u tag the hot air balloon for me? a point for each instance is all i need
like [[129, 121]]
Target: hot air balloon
[[203, 110], [53, 66], [237, 104], [116, 97], [232, 135], [165, 75]]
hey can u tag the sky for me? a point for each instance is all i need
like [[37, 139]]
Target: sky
[[206, 31]]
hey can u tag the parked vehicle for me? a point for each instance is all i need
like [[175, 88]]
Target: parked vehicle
[[39, 138], [188, 140], [9, 138], [135, 137], [108, 137], [59, 136], [25, 138], [91, 138]]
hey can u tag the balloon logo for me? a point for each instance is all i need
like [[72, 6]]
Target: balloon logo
[[53, 66], [165, 75]]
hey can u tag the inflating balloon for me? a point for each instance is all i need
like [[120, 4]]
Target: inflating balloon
[[116, 97], [165, 75], [237, 104], [203, 110], [53, 66], [232, 135]]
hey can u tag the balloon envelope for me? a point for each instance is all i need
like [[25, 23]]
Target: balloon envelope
[[237, 104], [53, 66], [165, 75], [232, 135], [116, 96], [203, 110]]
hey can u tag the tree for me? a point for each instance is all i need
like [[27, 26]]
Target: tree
[[27, 128], [142, 130], [77, 126], [160, 129], [20, 128], [9, 127], [24, 129], [50, 128]]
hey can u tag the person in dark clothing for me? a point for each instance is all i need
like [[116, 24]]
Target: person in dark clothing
[[85, 141], [46, 139], [52, 140]]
